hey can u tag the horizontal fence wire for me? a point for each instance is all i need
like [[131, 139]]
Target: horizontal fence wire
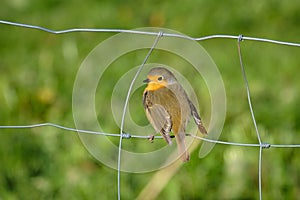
[[129, 136], [261, 145], [146, 33]]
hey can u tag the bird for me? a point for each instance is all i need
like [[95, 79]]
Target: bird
[[168, 108]]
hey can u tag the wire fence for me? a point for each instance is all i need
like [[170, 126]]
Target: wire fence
[[261, 145]]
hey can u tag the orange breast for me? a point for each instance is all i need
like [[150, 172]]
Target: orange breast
[[154, 86]]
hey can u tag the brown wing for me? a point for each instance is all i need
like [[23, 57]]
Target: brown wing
[[197, 118], [158, 117]]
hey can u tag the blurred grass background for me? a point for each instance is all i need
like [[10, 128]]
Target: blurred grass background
[[37, 72]]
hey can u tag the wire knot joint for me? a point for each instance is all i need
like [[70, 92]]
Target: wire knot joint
[[126, 135], [240, 38], [265, 145], [160, 34]]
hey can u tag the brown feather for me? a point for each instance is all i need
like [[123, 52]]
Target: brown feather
[[158, 117], [168, 108], [197, 118]]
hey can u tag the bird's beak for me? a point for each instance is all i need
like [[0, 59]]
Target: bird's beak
[[146, 80]]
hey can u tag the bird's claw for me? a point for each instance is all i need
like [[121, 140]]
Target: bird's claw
[[151, 138]]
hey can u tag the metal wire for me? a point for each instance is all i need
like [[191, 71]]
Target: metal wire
[[123, 135], [129, 136], [146, 33], [240, 38], [160, 34]]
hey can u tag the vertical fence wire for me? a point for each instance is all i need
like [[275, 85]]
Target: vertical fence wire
[[240, 39], [159, 35]]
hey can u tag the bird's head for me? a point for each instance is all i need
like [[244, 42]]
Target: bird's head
[[159, 77]]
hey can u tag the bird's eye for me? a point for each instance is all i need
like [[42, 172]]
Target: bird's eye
[[160, 78]]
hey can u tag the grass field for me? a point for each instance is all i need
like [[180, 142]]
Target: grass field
[[38, 70]]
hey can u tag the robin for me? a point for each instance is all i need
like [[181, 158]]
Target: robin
[[168, 108]]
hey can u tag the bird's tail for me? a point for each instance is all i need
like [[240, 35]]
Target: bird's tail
[[182, 148]]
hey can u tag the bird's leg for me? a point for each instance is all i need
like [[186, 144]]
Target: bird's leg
[[151, 138]]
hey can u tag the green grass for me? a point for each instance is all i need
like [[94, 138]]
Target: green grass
[[37, 72]]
